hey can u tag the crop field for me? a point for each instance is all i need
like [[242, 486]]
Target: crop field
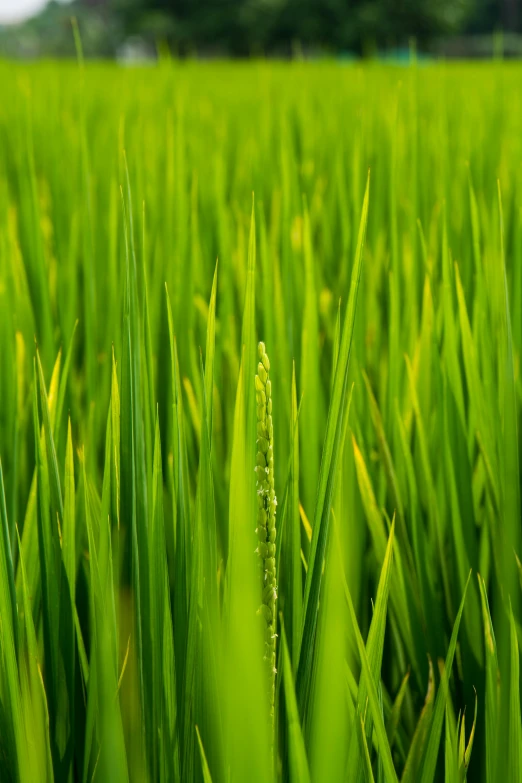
[[260, 335]]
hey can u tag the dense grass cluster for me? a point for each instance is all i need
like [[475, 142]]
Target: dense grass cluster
[[131, 423]]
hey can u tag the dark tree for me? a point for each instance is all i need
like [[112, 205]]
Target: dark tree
[[244, 27]]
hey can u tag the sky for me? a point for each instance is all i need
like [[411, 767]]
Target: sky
[[16, 10]]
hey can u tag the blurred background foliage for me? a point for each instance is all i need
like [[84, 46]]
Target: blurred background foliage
[[133, 29]]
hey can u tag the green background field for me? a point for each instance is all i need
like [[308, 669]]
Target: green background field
[[128, 577]]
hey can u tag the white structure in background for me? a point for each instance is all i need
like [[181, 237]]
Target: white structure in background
[[14, 11]]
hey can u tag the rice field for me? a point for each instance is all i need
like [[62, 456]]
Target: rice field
[[260, 334]]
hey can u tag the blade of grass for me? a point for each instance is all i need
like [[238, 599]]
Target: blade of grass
[[327, 476]]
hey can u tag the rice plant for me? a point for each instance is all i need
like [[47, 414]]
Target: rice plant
[[266, 512], [153, 625]]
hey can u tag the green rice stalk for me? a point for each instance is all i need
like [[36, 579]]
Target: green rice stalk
[[266, 512]]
